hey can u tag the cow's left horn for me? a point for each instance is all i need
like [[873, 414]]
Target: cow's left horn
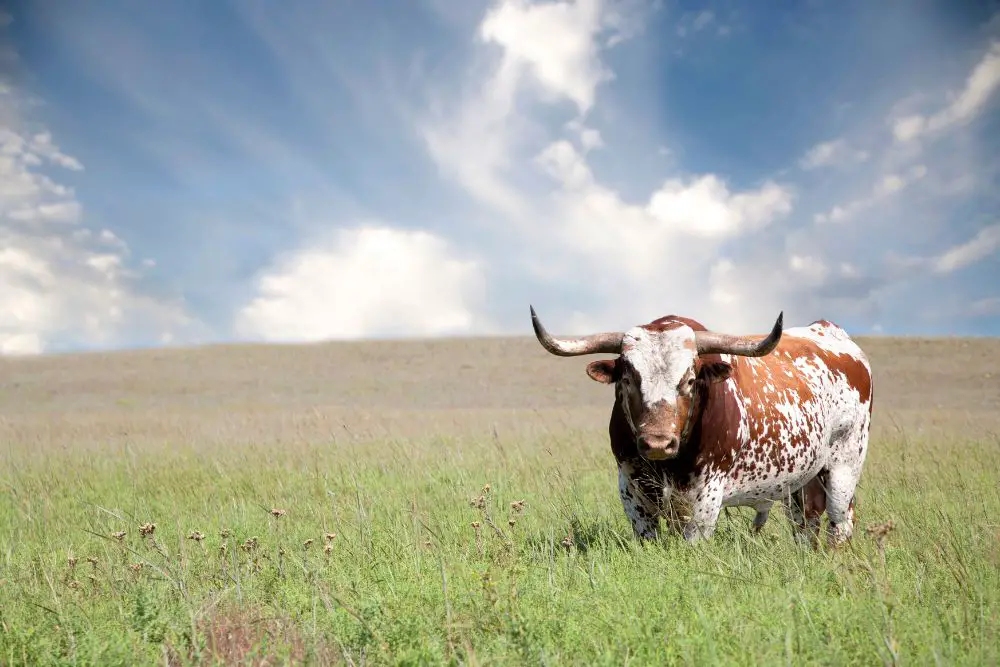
[[710, 342], [610, 343]]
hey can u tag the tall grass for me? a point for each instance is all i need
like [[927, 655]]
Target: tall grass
[[475, 551]]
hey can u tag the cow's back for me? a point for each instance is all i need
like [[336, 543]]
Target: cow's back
[[800, 408]]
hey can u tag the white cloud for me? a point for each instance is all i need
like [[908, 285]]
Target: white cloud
[[984, 244], [705, 206], [548, 49], [701, 207], [831, 153], [660, 249], [553, 42], [980, 85], [657, 253], [61, 284], [886, 186], [370, 281]]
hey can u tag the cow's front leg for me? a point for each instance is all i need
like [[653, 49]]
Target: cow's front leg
[[705, 513], [640, 494]]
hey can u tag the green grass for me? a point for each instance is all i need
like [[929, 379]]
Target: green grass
[[409, 580]]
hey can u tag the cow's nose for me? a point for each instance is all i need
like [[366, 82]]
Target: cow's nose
[[656, 447]]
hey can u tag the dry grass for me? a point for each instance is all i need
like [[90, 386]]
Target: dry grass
[[263, 394], [326, 503]]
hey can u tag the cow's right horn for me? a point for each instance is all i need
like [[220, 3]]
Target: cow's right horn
[[610, 343], [709, 342]]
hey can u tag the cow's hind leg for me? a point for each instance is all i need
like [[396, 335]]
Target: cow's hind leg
[[640, 495], [841, 484], [805, 510], [760, 518]]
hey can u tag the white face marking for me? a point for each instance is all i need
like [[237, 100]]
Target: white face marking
[[661, 359]]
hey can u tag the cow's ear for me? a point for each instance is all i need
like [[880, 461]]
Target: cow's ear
[[715, 372], [602, 371]]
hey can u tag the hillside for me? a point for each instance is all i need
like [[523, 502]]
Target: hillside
[[260, 393]]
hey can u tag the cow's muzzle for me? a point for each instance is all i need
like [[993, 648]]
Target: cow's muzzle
[[658, 447]]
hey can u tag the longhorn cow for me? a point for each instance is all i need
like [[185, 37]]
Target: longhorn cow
[[710, 420]]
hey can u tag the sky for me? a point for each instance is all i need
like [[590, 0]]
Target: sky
[[315, 170]]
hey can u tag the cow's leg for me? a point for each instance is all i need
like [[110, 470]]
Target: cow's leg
[[640, 495], [841, 483], [705, 512], [760, 518], [805, 510]]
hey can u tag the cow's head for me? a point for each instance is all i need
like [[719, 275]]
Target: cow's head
[[660, 373]]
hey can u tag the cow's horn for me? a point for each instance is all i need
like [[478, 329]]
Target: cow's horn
[[710, 342], [610, 343]]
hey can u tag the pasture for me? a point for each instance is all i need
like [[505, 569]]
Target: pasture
[[455, 502]]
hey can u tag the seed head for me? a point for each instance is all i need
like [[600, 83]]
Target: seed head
[[328, 549], [92, 560], [223, 548], [224, 533], [478, 502], [305, 545], [136, 567], [517, 505], [120, 535], [330, 537], [567, 541], [475, 524], [486, 489], [147, 529], [197, 536], [276, 513], [880, 531], [250, 544], [71, 561], [511, 522]]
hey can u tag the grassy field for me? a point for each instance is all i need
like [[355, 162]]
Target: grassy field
[[456, 502]]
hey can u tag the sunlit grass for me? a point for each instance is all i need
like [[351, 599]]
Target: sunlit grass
[[489, 551]]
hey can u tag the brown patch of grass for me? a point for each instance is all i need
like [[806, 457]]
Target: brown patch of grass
[[235, 637]]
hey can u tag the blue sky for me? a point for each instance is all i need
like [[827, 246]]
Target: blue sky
[[305, 171]]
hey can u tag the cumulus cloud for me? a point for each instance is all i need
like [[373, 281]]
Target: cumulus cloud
[[549, 51], [658, 251], [62, 283], [553, 43], [979, 87], [368, 281]]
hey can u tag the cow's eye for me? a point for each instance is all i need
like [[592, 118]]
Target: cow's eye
[[690, 382]]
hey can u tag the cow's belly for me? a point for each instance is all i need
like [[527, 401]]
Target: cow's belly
[[777, 488], [752, 481]]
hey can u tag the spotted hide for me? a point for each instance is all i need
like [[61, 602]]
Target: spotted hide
[[704, 420]]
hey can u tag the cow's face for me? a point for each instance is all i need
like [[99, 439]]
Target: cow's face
[[658, 379], [661, 373]]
